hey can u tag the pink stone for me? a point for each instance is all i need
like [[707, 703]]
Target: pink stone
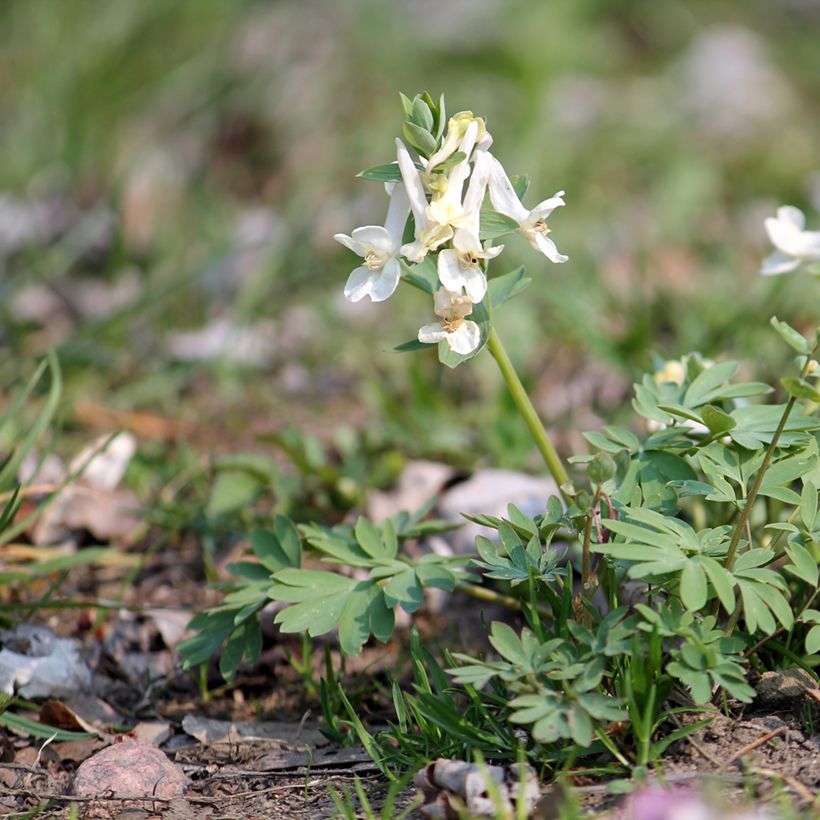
[[131, 769]]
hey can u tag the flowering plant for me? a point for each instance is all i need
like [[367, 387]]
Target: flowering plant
[[691, 542], [444, 191]]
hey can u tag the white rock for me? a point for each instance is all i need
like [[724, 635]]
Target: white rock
[[417, 484], [488, 492], [46, 666]]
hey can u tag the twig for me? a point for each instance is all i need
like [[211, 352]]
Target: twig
[[753, 745], [296, 771], [795, 784], [142, 798], [694, 744], [282, 787], [22, 767]]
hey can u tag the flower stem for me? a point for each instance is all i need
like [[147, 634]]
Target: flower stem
[[525, 407], [493, 597], [741, 525]]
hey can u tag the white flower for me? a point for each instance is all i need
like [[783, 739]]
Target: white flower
[[460, 266], [462, 335], [456, 129], [429, 234], [379, 247], [531, 223], [793, 244], [446, 207]]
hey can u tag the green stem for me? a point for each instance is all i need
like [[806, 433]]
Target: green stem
[[740, 527], [742, 522], [493, 597], [525, 407], [585, 550]]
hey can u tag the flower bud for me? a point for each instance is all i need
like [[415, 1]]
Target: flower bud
[[601, 469]]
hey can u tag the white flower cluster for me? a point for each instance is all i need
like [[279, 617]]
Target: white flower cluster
[[445, 193], [794, 245]]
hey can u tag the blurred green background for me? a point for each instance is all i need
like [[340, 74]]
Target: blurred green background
[[172, 173]]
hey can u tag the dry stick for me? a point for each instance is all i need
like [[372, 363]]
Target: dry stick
[[694, 744], [108, 798], [801, 790], [753, 745]]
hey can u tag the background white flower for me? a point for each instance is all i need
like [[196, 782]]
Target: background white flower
[[461, 334], [379, 247], [793, 244]]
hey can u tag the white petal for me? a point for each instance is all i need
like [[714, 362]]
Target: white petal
[[449, 270], [430, 334], [397, 213], [412, 184], [350, 243], [547, 247], [467, 240], [493, 251], [808, 246], [436, 235], [447, 147], [478, 183], [414, 251], [465, 338], [383, 285], [445, 209], [502, 194], [485, 142], [788, 213], [543, 209], [451, 304], [458, 173], [372, 237], [474, 196], [358, 284], [783, 235], [475, 283], [778, 263]]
